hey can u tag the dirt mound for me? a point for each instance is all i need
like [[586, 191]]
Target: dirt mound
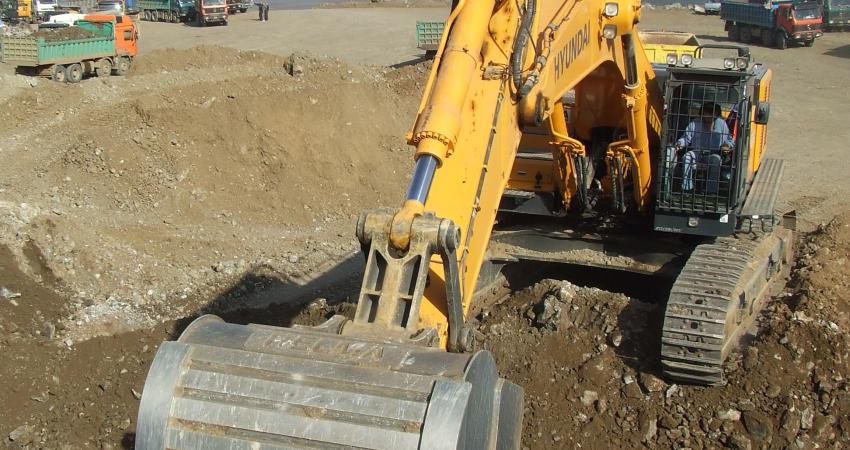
[[63, 34], [202, 56], [588, 361], [166, 185]]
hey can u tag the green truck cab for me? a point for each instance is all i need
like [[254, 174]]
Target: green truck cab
[[836, 15], [166, 10]]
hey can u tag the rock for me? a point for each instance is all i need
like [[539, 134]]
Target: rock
[[589, 397], [136, 394], [293, 259], [319, 304], [738, 441], [822, 428], [807, 418], [601, 405], [669, 422], [7, 294], [12, 327], [672, 390], [651, 383], [730, 414], [632, 391], [746, 404], [22, 435], [772, 391], [751, 358], [209, 102], [48, 330], [648, 428], [105, 386], [616, 339], [758, 426], [790, 424], [547, 314]]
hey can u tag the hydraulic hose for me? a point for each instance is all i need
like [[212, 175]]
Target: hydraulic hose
[[521, 41]]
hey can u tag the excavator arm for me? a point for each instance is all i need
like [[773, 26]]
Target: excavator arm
[[384, 379], [498, 72]]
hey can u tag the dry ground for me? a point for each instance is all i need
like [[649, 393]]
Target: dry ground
[[213, 178]]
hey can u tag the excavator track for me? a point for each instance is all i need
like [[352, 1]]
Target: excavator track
[[721, 289]]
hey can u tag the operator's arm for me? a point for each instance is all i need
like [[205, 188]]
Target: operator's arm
[[688, 135], [725, 136]]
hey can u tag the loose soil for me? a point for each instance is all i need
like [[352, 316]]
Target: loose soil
[[588, 360], [63, 34]]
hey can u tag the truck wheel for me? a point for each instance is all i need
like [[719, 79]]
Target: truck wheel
[[243, 10], [58, 73], [781, 40], [810, 43], [122, 65], [746, 35], [74, 73], [734, 33], [103, 68]]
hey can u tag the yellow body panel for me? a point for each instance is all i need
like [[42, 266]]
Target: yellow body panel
[[758, 132]]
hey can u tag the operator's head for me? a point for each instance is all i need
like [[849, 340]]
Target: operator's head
[[708, 111]]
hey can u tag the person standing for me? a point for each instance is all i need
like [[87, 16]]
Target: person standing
[[264, 10]]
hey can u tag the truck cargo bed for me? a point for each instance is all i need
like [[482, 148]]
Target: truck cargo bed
[[28, 51]]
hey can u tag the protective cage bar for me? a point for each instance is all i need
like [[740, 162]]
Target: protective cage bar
[[704, 144]]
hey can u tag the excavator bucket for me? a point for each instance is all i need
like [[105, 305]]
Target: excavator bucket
[[228, 386]]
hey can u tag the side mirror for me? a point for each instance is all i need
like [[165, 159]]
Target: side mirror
[[762, 113]]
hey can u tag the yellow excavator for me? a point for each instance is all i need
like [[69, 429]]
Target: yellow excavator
[[544, 134]]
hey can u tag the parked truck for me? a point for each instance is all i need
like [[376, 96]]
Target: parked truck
[[836, 15], [428, 34], [210, 11], [99, 44], [238, 6], [776, 23], [77, 5], [118, 8], [166, 10]]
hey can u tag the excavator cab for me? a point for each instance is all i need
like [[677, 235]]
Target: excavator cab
[[712, 140]]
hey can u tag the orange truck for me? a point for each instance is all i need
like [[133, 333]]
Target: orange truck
[[99, 44]]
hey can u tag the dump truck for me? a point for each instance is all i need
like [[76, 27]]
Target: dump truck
[[210, 11], [836, 15], [77, 5], [166, 10], [659, 45], [99, 44], [17, 11], [238, 6], [776, 23], [428, 34]]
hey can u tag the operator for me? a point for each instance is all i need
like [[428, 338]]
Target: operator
[[706, 138]]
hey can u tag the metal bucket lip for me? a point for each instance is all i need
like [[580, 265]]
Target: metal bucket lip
[[197, 323]]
